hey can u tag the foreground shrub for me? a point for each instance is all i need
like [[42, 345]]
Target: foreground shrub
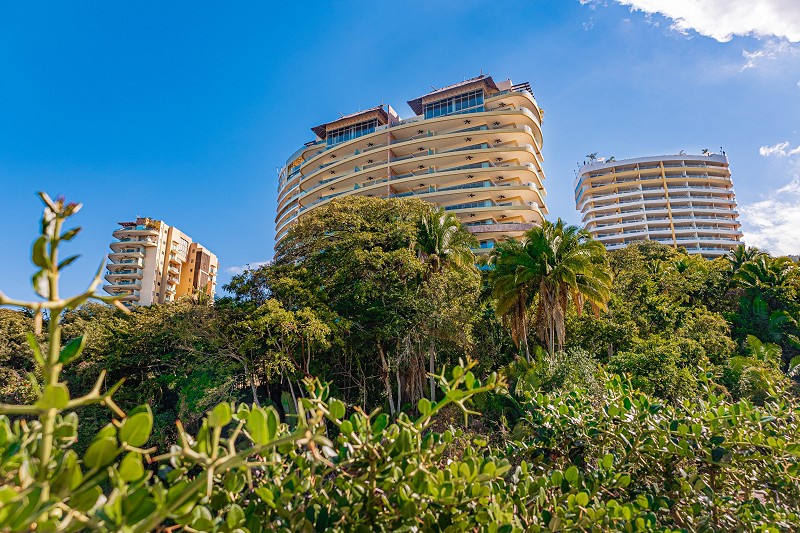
[[631, 462], [606, 458]]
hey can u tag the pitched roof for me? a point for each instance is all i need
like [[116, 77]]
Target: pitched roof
[[416, 103], [320, 130]]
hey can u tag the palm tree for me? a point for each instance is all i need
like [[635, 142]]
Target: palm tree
[[576, 268], [767, 274], [592, 157], [515, 280], [741, 255], [550, 266], [442, 240]]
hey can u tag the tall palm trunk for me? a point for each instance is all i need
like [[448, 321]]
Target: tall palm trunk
[[431, 370], [386, 378]]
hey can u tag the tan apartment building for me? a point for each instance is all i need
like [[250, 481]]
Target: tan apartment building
[[680, 200], [473, 148], [151, 262]]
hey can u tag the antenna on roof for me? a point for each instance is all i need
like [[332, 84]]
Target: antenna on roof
[[432, 87]]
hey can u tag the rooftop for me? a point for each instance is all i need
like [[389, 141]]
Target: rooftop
[[596, 165], [387, 115], [416, 103]]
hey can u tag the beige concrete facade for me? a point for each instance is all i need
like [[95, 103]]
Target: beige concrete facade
[[473, 148], [152, 262], [680, 200]]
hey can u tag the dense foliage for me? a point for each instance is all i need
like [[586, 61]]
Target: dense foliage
[[652, 391]]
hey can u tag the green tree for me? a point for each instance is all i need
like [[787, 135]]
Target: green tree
[[442, 241]]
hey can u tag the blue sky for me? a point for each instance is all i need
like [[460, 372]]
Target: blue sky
[[182, 111]]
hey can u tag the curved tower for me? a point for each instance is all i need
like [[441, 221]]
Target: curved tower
[[680, 200], [473, 148]]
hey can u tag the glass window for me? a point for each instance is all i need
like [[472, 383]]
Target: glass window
[[471, 102], [341, 135]]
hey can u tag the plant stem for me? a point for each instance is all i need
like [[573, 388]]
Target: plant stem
[[52, 368]]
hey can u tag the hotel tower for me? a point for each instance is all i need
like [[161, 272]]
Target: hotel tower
[[151, 262], [679, 200], [473, 148]]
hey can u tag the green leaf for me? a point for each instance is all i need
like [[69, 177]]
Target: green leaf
[[72, 350], [257, 426], [101, 453], [54, 397], [235, 516], [37, 353], [380, 423], [346, 428], [69, 235], [68, 261], [39, 254], [272, 423], [582, 499], [608, 461], [424, 406], [84, 501], [469, 380], [794, 362], [337, 409], [131, 468], [136, 428], [572, 474], [220, 416]]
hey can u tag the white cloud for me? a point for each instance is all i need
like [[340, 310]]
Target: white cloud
[[722, 19], [236, 270], [779, 150], [771, 223], [771, 50]]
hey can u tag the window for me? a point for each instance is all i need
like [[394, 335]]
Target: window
[[471, 102], [341, 135]]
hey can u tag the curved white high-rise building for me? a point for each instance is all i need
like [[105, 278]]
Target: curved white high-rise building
[[473, 148], [680, 200]]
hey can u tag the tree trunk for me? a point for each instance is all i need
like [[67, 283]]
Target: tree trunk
[[251, 380], [385, 375], [431, 370], [525, 334], [294, 396], [399, 386]]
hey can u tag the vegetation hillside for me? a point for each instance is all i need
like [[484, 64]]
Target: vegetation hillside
[[377, 376]]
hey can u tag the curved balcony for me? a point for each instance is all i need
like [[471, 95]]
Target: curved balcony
[[287, 218], [650, 191], [127, 242], [137, 231], [121, 275], [411, 164], [409, 129], [125, 264], [426, 143], [127, 253], [122, 285], [442, 179]]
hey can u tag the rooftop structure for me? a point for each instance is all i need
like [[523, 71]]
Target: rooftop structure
[[473, 148], [680, 200], [152, 262]]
